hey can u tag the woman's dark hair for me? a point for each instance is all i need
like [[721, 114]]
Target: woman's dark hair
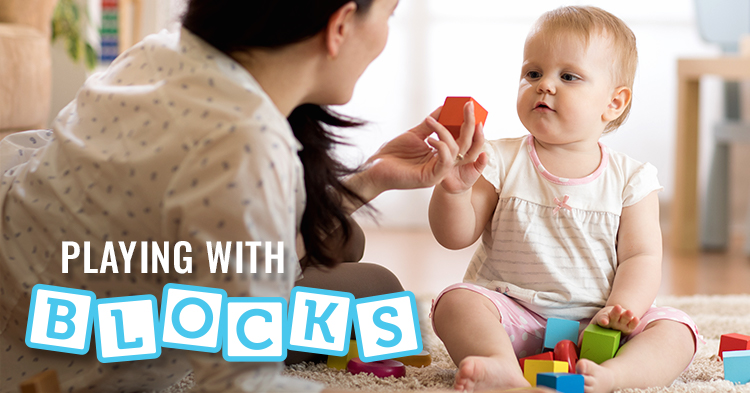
[[237, 25]]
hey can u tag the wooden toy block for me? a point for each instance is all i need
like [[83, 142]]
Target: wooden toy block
[[422, 359], [737, 366], [380, 368], [599, 344], [534, 367], [560, 329], [733, 342], [340, 362], [541, 356], [566, 351], [44, 382], [452, 114], [561, 382]]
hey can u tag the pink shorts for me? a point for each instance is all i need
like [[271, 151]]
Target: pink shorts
[[526, 328]]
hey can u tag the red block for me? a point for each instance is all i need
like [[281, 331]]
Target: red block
[[566, 351], [733, 342], [452, 114], [541, 356]]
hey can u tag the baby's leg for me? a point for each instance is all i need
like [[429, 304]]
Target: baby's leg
[[655, 357], [469, 325]]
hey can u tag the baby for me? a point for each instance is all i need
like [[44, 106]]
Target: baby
[[569, 228]]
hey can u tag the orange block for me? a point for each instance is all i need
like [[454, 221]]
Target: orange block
[[452, 114]]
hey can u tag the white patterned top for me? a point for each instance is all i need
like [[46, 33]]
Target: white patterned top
[[552, 242], [175, 141]]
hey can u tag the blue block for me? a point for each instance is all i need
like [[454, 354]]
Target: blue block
[[737, 366], [562, 382], [558, 330]]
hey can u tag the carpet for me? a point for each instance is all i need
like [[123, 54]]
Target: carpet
[[715, 315]]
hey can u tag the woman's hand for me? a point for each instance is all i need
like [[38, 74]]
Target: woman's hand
[[416, 160], [471, 162], [616, 318]]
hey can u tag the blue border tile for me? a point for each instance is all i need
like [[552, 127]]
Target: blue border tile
[[415, 317], [158, 328], [226, 327], [191, 288], [290, 321], [89, 324]]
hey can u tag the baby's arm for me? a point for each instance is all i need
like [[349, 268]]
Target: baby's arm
[[457, 218], [638, 276]]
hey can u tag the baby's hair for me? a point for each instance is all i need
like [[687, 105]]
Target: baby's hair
[[584, 21]]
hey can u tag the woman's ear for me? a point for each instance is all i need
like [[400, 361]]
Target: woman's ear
[[339, 27], [620, 100]]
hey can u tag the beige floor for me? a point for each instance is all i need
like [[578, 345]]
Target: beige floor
[[425, 267]]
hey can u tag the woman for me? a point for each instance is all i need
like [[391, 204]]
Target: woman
[[214, 133]]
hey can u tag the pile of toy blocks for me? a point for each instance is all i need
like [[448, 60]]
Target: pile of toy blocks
[[556, 366], [734, 350]]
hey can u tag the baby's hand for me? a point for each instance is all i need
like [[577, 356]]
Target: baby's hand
[[616, 318]]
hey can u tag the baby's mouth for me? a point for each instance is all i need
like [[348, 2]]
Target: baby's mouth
[[542, 106]]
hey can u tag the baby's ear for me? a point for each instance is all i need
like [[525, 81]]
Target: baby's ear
[[620, 100]]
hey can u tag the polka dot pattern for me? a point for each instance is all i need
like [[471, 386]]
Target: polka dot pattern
[[173, 142], [519, 322]]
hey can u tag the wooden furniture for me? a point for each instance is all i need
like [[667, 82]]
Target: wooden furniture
[[130, 22], [25, 64], [685, 202]]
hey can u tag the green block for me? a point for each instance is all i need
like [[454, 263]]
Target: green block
[[599, 344]]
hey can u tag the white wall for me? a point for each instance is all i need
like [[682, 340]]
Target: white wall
[[474, 47]]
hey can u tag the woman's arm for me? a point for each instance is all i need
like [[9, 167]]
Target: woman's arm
[[638, 275]]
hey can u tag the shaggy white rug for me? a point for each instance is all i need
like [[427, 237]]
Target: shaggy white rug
[[715, 315]]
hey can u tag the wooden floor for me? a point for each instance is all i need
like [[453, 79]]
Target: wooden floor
[[425, 268]]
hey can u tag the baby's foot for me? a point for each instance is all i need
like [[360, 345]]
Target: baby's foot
[[596, 378], [477, 373]]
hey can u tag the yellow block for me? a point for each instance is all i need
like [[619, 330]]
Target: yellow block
[[340, 362], [422, 359], [533, 367]]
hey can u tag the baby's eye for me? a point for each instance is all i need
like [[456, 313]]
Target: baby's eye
[[533, 74], [569, 77]]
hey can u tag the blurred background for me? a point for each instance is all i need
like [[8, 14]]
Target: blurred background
[[439, 48]]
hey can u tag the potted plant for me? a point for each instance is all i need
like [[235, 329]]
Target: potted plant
[[69, 23]]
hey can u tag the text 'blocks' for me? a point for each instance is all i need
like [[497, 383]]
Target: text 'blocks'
[[387, 326], [253, 329], [599, 344], [558, 330], [320, 321], [60, 319], [532, 367], [127, 328], [191, 317]]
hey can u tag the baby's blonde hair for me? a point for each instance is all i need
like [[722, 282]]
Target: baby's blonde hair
[[584, 21]]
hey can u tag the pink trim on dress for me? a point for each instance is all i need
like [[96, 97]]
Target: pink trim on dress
[[561, 180]]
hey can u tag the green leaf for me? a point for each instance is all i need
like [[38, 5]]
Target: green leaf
[[73, 44], [91, 57]]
